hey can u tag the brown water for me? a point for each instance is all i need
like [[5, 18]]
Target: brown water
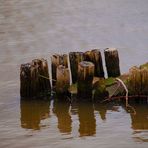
[[39, 28]]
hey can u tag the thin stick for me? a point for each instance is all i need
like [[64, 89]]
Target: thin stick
[[46, 77]]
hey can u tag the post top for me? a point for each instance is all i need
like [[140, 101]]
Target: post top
[[86, 64], [110, 49]]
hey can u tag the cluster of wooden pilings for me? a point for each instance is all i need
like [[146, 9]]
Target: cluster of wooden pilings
[[84, 66]]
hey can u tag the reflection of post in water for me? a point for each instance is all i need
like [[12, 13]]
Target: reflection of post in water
[[32, 112], [87, 119], [140, 120], [61, 110], [102, 109]]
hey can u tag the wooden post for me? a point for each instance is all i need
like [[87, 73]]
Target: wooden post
[[138, 81], [64, 60], [43, 74], [25, 79], [85, 79], [34, 79], [57, 60], [75, 58], [63, 80], [95, 57], [144, 81], [112, 62]]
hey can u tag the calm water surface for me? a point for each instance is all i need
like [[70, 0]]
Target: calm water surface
[[38, 28]]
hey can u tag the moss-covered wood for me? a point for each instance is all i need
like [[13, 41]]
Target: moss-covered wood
[[75, 58], [95, 57], [112, 62], [85, 79], [100, 92]]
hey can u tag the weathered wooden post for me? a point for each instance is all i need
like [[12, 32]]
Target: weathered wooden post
[[75, 58], [25, 79], [85, 79], [43, 74], [95, 57], [64, 60], [34, 79], [138, 84], [112, 62], [138, 81], [63, 80], [144, 81], [57, 60]]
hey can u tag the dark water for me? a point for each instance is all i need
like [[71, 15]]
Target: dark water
[[38, 28]]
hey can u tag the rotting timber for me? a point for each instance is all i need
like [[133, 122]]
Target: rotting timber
[[87, 73]]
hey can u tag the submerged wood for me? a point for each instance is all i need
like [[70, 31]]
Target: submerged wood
[[112, 62], [57, 60], [63, 80], [85, 79], [32, 81], [95, 57], [75, 58]]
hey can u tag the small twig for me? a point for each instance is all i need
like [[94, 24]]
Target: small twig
[[46, 77]]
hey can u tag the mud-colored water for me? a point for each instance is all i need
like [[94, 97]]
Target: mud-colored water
[[38, 28]]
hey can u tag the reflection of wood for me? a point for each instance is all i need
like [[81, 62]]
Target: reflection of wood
[[140, 120], [85, 79], [102, 109], [112, 62], [87, 126], [31, 78], [95, 57], [75, 58], [57, 60], [32, 112], [63, 80], [61, 109]]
